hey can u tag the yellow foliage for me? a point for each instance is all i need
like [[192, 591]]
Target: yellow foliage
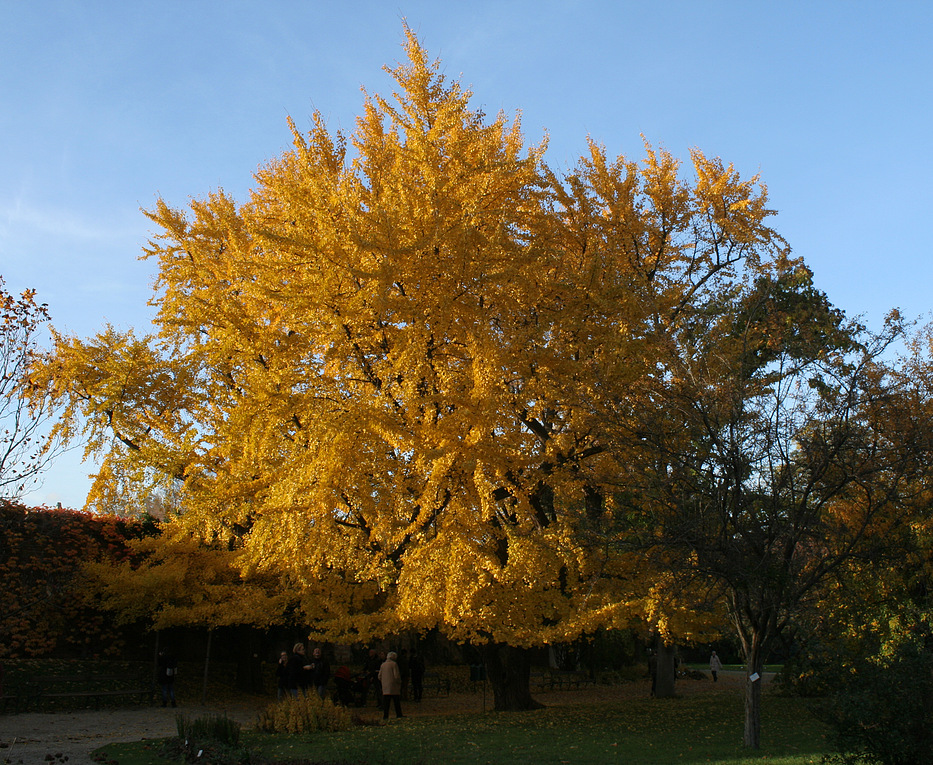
[[381, 377], [175, 579]]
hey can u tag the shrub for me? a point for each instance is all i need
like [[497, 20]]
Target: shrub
[[43, 553], [222, 730], [214, 739], [304, 713], [881, 710]]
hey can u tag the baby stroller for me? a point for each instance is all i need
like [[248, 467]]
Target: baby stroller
[[345, 687]]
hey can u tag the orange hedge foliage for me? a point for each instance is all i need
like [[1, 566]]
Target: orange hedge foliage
[[43, 609]]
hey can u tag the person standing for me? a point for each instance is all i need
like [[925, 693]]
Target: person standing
[[281, 675], [371, 671], [715, 666], [320, 672], [296, 674], [344, 682], [391, 680], [167, 666]]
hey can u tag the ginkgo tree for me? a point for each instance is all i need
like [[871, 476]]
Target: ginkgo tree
[[382, 377]]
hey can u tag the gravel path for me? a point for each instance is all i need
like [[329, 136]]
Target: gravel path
[[40, 738]]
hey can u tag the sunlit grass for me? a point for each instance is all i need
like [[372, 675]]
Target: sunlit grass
[[703, 728]]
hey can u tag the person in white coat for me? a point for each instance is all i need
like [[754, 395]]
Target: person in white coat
[[714, 666], [391, 680]]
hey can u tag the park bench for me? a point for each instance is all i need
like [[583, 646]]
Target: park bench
[[570, 680], [89, 688], [438, 685], [559, 680], [17, 696]]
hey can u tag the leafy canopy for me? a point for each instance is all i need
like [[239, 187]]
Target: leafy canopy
[[383, 376]]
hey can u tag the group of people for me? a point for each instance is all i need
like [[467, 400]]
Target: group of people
[[388, 674], [298, 672]]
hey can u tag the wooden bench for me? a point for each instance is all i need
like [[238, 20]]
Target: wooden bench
[[439, 685], [559, 680], [572, 680], [90, 688], [17, 696]]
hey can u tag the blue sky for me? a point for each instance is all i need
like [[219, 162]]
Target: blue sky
[[107, 105]]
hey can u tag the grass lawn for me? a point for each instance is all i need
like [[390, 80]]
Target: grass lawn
[[698, 728]]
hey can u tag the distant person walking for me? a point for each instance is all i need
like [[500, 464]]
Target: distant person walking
[[391, 680], [715, 666]]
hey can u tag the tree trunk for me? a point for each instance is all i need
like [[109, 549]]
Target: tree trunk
[[509, 672], [753, 680], [207, 664], [248, 664], [664, 683], [155, 661]]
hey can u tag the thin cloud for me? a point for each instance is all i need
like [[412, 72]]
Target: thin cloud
[[20, 217]]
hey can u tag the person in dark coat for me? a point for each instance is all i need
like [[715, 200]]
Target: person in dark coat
[[371, 670], [320, 672], [296, 674], [281, 676], [167, 666]]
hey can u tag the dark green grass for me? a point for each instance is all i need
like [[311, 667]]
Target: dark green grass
[[705, 728]]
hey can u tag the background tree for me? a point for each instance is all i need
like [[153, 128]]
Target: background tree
[[866, 657], [867, 653], [782, 447], [377, 377], [25, 411]]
